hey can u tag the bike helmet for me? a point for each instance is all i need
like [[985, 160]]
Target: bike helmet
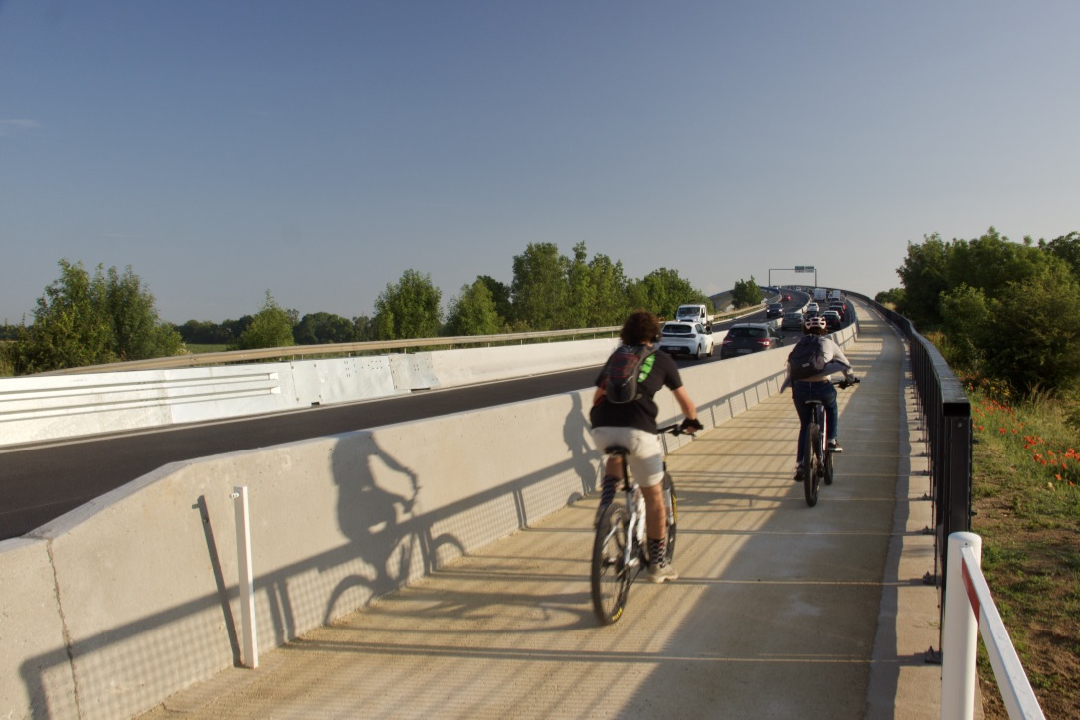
[[814, 324]]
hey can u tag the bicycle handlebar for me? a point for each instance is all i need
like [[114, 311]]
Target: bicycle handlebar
[[677, 429]]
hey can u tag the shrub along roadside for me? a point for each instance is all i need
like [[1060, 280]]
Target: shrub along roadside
[[7, 362], [1026, 497]]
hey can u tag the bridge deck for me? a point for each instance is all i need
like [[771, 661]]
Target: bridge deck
[[780, 610]]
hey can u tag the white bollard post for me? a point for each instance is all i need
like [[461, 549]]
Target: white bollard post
[[960, 635], [249, 652]]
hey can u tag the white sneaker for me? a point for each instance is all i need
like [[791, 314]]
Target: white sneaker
[[660, 573]]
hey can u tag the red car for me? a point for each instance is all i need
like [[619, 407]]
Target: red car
[[787, 298]]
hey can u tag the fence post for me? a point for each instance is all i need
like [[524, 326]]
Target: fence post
[[250, 644], [958, 437], [960, 634]]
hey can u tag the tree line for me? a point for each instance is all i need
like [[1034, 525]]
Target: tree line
[[1007, 311], [106, 316]]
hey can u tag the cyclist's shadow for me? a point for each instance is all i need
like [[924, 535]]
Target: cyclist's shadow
[[380, 521], [584, 458]]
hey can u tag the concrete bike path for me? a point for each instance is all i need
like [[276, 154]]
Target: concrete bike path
[[775, 614]]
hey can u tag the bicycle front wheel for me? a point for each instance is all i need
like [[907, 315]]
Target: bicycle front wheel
[[810, 464], [610, 576]]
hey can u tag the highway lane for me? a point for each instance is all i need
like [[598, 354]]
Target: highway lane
[[39, 483]]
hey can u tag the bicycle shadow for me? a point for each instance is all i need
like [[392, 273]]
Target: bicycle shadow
[[389, 542], [394, 540]]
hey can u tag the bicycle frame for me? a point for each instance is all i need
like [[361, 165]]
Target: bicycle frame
[[821, 446], [817, 455], [620, 548], [634, 552], [817, 418], [814, 457]]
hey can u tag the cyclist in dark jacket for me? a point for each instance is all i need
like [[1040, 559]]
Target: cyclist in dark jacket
[[633, 425], [818, 387]]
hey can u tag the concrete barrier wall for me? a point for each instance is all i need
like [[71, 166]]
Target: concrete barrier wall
[[36, 677], [472, 365], [116, 605]]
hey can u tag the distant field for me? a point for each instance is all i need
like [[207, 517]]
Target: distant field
[[196, 349]]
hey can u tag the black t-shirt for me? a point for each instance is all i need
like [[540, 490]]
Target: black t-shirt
[[640, 413]]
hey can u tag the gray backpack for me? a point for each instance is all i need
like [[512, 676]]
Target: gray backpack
[[807, 359]]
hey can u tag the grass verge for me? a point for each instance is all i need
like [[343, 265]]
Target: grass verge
[[1026, 497]]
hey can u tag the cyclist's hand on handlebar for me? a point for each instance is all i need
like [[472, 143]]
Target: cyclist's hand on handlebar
[[690, 426]]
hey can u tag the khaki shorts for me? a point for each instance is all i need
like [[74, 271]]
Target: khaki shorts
[[646, 457]]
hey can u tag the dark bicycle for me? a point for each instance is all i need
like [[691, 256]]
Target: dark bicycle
[[817, 463], [620, 550]]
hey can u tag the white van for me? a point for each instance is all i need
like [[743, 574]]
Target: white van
[[692, 313]]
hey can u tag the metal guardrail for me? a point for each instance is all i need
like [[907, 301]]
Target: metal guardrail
[[947, 414], [348, 349], [329, 350]]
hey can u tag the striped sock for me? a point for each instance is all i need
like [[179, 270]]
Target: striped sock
[[656, 552]]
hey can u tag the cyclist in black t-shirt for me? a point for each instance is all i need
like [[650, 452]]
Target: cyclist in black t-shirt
[[633, 425]]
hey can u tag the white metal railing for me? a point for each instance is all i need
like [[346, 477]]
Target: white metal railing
[[969, 609]]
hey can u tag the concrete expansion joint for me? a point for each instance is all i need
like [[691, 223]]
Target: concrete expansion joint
[[68, 643]]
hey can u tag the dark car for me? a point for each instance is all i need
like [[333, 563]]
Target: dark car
[[774, 310], [747, 338], [792, 321], [832, 320]]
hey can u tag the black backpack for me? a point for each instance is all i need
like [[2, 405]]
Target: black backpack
[[807, 359], [628, 366]]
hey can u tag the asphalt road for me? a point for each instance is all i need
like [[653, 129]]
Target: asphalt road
[[39, 483]]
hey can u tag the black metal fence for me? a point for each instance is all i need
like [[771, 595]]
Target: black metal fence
[[947, 414]]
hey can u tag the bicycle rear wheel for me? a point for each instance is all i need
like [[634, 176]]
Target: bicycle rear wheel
[[810, 464], [610, 576], [671, 508]]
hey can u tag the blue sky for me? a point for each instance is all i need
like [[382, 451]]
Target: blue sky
[[320, 149]]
